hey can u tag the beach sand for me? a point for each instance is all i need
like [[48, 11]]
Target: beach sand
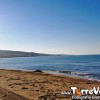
[[29, 85]]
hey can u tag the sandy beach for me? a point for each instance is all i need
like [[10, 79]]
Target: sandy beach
[[29, 85]]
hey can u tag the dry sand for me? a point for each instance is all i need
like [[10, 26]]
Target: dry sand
[[28, 85]]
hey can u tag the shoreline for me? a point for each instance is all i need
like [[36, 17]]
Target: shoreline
[[56, 73], [34, 85], [75, 75]]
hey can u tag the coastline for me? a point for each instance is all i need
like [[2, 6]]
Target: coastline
[[31, 85]]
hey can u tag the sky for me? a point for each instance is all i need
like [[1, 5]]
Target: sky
[[50, 26]]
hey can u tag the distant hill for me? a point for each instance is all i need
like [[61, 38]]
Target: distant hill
[[9, 53]]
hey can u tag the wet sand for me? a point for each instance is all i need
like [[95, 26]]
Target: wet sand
[[28, 85]]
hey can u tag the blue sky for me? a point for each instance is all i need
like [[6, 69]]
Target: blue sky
[[50, 26]]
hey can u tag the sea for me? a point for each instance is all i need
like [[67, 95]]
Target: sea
[[82, 66]]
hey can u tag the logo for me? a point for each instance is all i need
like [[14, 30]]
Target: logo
[[83, 94]]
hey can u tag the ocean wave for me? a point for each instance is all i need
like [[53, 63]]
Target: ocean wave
[[81, 74]]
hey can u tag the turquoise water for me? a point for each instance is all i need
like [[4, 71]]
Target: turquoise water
[[87, 66]]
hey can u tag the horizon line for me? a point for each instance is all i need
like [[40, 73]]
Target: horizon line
[[50, 53]]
